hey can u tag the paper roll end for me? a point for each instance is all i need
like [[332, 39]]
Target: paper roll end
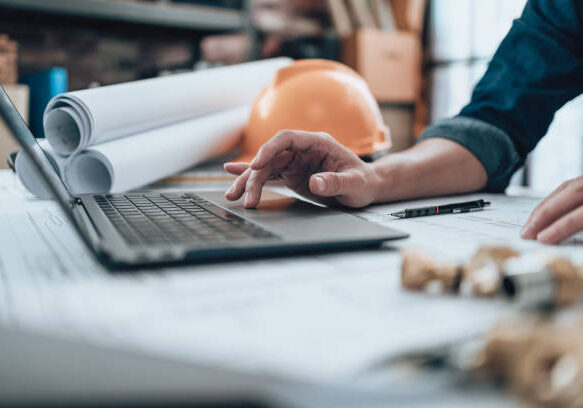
[[62, 131], [88, 174]]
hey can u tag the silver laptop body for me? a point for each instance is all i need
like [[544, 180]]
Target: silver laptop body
[[138, 229]]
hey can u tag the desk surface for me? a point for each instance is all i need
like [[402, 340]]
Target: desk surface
[[322, 318]]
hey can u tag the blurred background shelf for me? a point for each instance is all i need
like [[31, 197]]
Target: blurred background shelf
[[189, 17]]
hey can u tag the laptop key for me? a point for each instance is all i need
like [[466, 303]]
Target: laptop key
[[172, 218]]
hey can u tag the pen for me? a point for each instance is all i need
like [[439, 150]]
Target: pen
[[442, 209]]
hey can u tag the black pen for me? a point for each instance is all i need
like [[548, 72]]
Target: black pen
[[442, 209]]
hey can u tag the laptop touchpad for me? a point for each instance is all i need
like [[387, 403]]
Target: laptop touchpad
[[296, 218]]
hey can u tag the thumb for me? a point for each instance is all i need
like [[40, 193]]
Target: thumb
[[328, 184]]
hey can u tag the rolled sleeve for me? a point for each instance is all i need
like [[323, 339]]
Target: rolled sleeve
[[491, 146]]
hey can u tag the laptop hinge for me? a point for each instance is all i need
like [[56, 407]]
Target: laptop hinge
[[87, 225]]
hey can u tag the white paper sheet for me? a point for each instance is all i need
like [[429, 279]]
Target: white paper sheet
[[128, 163], [456, 236], [79, 119], [324, 317]]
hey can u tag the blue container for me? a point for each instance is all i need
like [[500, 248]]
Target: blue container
[[43, 86]]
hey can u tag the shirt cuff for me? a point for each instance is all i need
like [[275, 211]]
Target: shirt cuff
[[491, 146]]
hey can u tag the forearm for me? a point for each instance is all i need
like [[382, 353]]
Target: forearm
[[433, 167]]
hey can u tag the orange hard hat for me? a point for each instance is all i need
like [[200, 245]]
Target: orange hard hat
[[317, 96]]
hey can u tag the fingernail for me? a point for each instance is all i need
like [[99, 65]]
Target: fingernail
[[320, 183], [247, 200], [231, 189]]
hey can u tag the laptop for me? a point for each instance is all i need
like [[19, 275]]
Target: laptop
[[143, 228]]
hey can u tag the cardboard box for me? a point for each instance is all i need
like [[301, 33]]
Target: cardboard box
[[8, 60], [409, 14], [390, 62], [19, 96], [8, 68]]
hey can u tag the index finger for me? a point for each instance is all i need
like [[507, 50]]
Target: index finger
[[291, 140]]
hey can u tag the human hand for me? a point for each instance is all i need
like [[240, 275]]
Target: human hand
[[312, 164], [558, 216]]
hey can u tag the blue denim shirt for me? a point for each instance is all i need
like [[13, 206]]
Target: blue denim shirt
[[536, 70]]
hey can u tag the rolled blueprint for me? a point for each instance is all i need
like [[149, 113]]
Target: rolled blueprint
[[128, 163], [76, 120], [28, 174]]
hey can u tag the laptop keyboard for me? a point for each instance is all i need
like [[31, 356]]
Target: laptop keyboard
[[155, 219]]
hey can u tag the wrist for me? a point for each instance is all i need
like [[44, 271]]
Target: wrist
[[431, 167], [385, 174]]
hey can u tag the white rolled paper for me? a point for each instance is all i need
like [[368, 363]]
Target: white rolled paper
[[122, 137], [76, 120], [128, 163]]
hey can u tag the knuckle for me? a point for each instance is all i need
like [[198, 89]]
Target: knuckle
[[573, 186], [283, 138], [322, 141], [569, 184], [334, 181], [282, 133], [360, 178], [324, 136], [340, 182]]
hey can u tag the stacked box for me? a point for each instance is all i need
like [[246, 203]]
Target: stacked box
[[383, 43], [8, 60], [19, 96], [390, 62]]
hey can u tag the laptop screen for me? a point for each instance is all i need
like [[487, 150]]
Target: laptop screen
[[29, 145]]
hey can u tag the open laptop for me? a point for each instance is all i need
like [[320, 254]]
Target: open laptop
[[149, 228]]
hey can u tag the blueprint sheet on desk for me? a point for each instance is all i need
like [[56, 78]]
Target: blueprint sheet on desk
[[321, 317], [458, 235]]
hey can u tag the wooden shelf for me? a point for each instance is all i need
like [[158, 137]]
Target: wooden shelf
[[180, 16]]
